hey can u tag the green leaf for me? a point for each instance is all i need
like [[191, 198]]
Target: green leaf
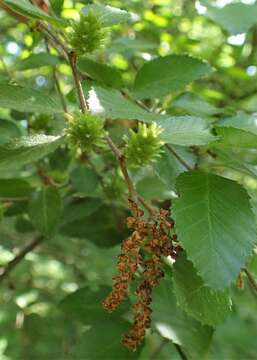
[[173, 324], [14, 188], [215, 224], [103, 341], [104, 74], [241, 121], [24, 7], [26, 150], [125, 44], [44, 211], [208, 306], [79, 209], [26, 99], [186, 130], [102, 227], [234, 138], [195, 105], [164, 75], [84, 180], [167, 167], [57, 6], [35, 61], [111, 104], [152, 187], [8, 130], [110, 15], [235, 18], [85, 305]]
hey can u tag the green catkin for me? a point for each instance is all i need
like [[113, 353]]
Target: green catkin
[[143, 146], [88, 34], [85, 131]]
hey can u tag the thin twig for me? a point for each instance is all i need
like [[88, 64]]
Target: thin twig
[[72, 59], [58, 88], [121, 159], [73, 63], [178, 157], [4, 272], [51, 34], [250, 278], [180, 352]]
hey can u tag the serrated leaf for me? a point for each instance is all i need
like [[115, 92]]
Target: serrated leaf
[[110, 15], [104, 74], [163, 75], [24, 7], [35, 61], [26, 99], [230, 137], [235, 18], [27, 149], [111, 104], [14, 188], [208, 306], [44, 211], [241, 121], [215, 224], [195, 105], [175, 325], [186, 130]]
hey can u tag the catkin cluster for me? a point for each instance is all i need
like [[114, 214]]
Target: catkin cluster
[[153, 238]]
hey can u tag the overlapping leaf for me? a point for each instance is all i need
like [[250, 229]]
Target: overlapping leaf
[[186, 130], [26, 99], [24, 7], [173, 324], [236, 18], [27, 149], [111, 104], [110, 15]]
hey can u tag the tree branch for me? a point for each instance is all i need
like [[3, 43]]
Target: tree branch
[[4, 272]]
